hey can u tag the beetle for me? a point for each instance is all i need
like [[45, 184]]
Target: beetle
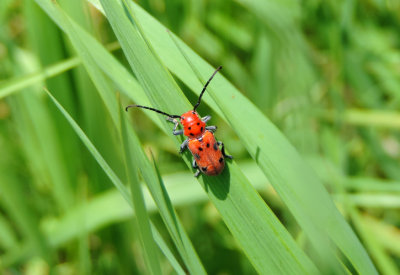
[[208, 157]]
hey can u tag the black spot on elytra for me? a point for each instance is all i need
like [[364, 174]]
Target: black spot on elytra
[[208, 145], [200, 149], [215, 146], [204, 168], [221, 160], [191, 134], [190, 128], [198, 123], [196, 156], [201, 129]]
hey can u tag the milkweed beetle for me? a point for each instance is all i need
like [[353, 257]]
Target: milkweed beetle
[[208, 157]]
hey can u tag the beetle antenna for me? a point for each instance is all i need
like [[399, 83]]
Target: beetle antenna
[[204, 89], [152, 109]]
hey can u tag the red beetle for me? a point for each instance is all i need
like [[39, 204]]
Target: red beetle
[[208, 157]]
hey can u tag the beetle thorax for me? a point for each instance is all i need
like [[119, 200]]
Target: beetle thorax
[[193, 126]]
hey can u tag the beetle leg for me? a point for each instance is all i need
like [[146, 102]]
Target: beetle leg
[[211, 128], [184, 146], [223, 150], [170, 119], [195, 166], [206, 118], [178, 132], [175, 132], [197, 173]]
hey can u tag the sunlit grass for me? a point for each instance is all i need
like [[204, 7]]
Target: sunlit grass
[[307, 102]]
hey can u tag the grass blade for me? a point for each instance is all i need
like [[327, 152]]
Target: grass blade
[[142, 218], [107, 169], [89, 145], [14, 85]]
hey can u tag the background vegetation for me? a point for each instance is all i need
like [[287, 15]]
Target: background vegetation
[[325, 73]]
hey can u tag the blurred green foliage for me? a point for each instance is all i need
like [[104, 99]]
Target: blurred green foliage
[[325, 72]]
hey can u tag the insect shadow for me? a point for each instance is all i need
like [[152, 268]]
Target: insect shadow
[[218, 185]]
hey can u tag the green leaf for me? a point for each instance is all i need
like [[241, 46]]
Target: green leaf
[[89, 145], [370, 118], [16, 84], [11, 86], [374, 240], [142, 218], [13, 198]]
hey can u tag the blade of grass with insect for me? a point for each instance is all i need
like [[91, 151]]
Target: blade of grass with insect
[[103, 65], [142, 218], [105, 92], [164, 56], [267, 236], [326, 259], [162, 200], [294, 181], [169, 216], [164, 204], [115, 180], [107, 169], [325, 255], [319, 240]]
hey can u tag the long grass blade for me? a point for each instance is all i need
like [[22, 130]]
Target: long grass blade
[[142, 217], [110, 173]]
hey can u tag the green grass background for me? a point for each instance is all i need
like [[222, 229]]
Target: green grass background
[[307, 102]]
